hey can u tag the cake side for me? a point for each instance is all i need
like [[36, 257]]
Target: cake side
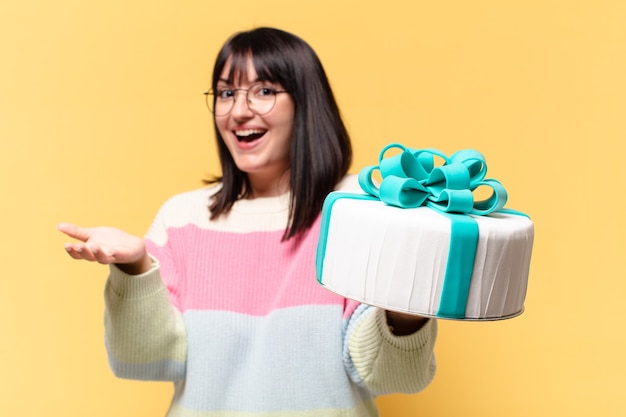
[[397, 258], [501, 267]]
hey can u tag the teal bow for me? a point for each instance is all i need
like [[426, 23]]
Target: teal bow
[[411, 179]]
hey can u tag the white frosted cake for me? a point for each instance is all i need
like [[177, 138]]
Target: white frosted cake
[[398, 259]]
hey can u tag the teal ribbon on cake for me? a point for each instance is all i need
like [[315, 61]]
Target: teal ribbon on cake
[[412, 179]]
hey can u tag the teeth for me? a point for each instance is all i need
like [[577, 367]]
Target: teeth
[[249, 132]]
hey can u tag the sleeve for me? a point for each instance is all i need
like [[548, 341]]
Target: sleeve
[[384, 363], [144, 333]]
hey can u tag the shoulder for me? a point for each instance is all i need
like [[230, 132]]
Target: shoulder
[[182, 208], [191, 198]]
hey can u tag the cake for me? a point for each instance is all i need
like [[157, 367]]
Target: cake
[[425, 254]]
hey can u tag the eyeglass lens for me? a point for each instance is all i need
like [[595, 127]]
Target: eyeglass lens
[[260, 99]]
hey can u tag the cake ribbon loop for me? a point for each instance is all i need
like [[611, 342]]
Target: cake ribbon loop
[[411, 179]]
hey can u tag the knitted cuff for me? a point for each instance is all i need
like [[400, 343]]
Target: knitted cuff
[[128, 286], [411, 342]]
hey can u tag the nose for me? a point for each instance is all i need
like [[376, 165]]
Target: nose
[[241, 108]]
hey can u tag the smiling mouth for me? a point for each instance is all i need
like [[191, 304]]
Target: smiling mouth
[[249, 135]]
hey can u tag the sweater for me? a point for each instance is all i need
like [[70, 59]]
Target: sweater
[[236, 319]]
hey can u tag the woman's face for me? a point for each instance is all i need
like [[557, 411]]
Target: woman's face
[[259, 144]]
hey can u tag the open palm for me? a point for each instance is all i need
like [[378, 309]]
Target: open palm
[[106, 245]]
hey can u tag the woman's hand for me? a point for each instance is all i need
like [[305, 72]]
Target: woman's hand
[[404, 324], [107, 245]]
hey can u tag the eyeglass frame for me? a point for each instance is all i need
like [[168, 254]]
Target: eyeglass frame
[[213, 93]]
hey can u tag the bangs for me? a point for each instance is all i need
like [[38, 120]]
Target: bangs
[[238, 68], [266, 55]]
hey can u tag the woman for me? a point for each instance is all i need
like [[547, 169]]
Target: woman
[[221, 297]]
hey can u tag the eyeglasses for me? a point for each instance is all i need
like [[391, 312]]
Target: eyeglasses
[[260, 99]]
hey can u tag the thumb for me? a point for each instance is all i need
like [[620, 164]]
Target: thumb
[[80, 233]]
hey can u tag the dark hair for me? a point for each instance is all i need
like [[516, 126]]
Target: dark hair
[[320, 152]]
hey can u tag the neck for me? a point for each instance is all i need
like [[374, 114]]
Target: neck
[[268, 187]]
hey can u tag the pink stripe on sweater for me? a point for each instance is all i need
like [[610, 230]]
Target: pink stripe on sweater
[[250, 273]]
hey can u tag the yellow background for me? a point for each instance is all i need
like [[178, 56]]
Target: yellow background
[[102, 118]]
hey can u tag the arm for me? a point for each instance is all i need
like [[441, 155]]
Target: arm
[[144, 333], [145, 336], [385, 362]]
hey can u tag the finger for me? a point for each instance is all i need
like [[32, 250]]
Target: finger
[[102, 254], [93, 253], [77, 251], [80, 233]]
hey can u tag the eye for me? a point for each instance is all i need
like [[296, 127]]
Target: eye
[[224, 93], [263, 91]]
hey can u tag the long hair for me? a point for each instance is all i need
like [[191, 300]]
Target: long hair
[[320, 153]]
